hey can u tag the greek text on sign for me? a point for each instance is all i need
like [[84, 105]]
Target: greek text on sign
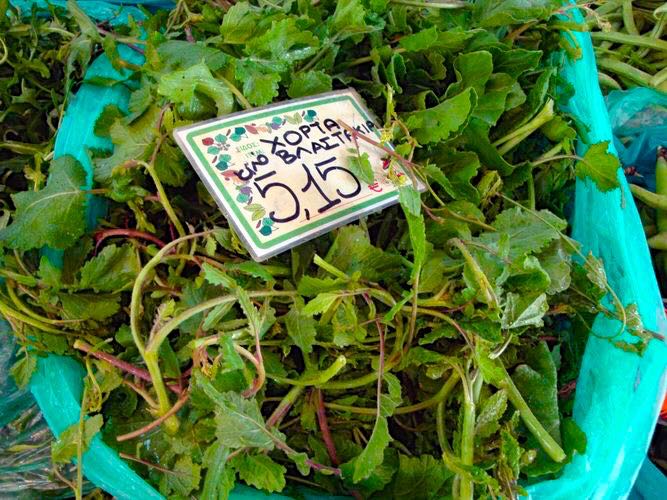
[[281, 173]]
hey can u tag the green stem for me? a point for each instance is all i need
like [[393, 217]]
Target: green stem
[[531, 191], [320, 54], [436, 399], [316, 379], [285, 404], [481, 278], [440, 426], [320, 262], [6, 310], [156, 341], [25, 309], [625, 39], [625, 70], [164, 200], [659, 78], [607, 81], [135, 302], [653, 200], [548, 443], [237, 93], [509, 141], [79, 446], [172, 423], [629, 18], [467, 487]]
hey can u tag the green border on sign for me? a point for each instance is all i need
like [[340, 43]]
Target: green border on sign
[[232, 203]]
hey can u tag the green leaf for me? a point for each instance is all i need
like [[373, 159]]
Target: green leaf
[[86, 25], [131, 142], [491, 370], [113, 269], [23, 369], [524, 310], [232, 359], [460, 167], [422, 40], [239, 23], [320, 304], [215, 315], [445, 331], [420, 477], [489, 414], [85, 306], [259, 86], [410, 200], [284, 42], [309, 83], [510, 452], [373, 454], [310, 286], [473, 69], [252, 268], [536, 381], [348, 18], [50, 274], [239, 422], [260, 471], [255, 321], [417, 232], [360, 166], [53, 216], [216, 276], [180, 87], [65, 447], [443, 121], [556, 261], [600, 166], [574, 439], [392, 399], [301, 329], [170, 166], [219, 479], [184, 480], [353, 252], [492, 13], [527, 233]]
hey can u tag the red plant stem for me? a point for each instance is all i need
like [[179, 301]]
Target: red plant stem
[[155, 423], [127, 456], [324, 428], [127, 233], [140, 373], [567, 389], [278, 414]]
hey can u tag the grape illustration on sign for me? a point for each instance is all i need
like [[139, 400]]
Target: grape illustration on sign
[[281, 174]]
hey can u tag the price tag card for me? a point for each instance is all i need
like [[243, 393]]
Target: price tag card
[[281, 173]]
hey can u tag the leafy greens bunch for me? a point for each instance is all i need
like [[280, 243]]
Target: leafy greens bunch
[[42, 56], [419, 352]]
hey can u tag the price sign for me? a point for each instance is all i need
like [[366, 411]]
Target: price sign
[[281, 173]]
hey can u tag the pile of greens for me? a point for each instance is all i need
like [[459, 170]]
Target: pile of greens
[[42, 58], [427, 350]]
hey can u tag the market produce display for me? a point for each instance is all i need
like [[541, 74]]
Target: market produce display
[[435, 343]]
